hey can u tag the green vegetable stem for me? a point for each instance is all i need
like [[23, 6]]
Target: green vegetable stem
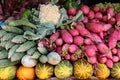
[[71, 3]]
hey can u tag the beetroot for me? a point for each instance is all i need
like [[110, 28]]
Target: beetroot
[[96, 8], [109, 63], [74, 32], [54, 36], [95, 27], [112, 39], [78, 40], [92, 60], [88, 41], [115, 59], [117, 17], [91, 15], [98, 15], [72, 11], [85, 20], [73, 48], [66, 36], [85, 9], [59, 42]]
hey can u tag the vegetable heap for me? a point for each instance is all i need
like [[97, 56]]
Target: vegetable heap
[[61, 41]]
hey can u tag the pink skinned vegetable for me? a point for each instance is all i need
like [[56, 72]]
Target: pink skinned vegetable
[[78, 40], [112, 21], [66, 36], [85, 9], [105, 18], [91, 15], [85, 20], [91, 46], [94, 21], [115, 59], [110, 12], [72, 11], [73, 58], [96, 8], [107, 27], [73, 48], [114, 51], [92, 60], [118, 53], [98, 15], [67, 57], [112, 39], [109, 63], [74, 32], [101, 35], [59, 50], [88, 41], [59, 42], [117, 17], [90, 52], [119, 34], [102, 59], [96, 38], [54, 36]]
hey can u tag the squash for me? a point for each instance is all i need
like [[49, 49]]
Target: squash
[[8, 73], [115, 71], [25, 73], [82, 69], [53, 58], [63, 70], [102, 71], [43, 71]]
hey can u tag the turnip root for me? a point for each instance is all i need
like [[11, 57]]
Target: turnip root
[[78, 40], [112, 39], [109, 63], [66, 36]]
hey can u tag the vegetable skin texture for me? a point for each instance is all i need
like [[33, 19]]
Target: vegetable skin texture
[[54, 36], [66, 36], [78, 40]]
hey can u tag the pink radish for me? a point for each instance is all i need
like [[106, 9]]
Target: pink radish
[[85, 20], [102, 59], [95, 27], [73, 48], [109, 63], [78, 40], [101, 35], [59, 50], [115, 58], [112, 39], [94, 21], [112, 20], [91, 46], [92, 60], [119, 34], [90, 52], [96, 38], [66, 36], [82, 30], [72, 11], [67, 57], [98, 15], [88, 41], [105, 18], [109, 55], [107, 27], [70, 16], [104, 10], [117, 17], [110, 11], [114, 51], [73, 58], [54, 36], [80, 23], [59, 42], [96, 8], [85, 9], [118, 52], [74, 32], [91, 15]]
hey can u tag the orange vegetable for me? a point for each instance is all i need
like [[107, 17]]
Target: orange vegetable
[[25, 73]]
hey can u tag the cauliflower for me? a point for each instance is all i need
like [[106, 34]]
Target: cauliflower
[[49, 13]]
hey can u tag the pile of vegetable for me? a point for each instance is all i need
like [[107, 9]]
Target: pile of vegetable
[[78, 40]]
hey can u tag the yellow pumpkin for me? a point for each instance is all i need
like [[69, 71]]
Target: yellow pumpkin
[[25, 73], [102, 71], [43, 71], [82, 69]]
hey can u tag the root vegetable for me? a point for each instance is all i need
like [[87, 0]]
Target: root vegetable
[[88, 41], [98, 15], [73, 48], [90, 51], [67, 57], [78, 40], [74, 32], [114, 51], [91, 46], [115, 59], [85, 20], [93, 59], [72, 11], [117, 17], [110, 11], [112, 20], [59, 42], [66, 36], [59, 50], [102, 59], [96, 38], [105, 18], [54, 36], [73, 58], [91, 15], [85, 9], [107, 27], [109, 63], [96, 8]]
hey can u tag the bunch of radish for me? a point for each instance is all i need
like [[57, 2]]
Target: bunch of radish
[[96, 37]]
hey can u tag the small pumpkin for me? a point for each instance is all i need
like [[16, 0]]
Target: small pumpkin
[[25, 73], [43, 71], [102, 71], [82, 69], [63, 70], [8, 73], [115, 71]]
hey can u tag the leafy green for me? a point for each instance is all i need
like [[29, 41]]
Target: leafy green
[[26, 13]]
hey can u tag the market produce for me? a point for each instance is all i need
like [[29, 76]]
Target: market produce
[[115, 70], [102, 71], [63, 70], [8, 73], [25, 73], [82, 69], [43, 71]]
